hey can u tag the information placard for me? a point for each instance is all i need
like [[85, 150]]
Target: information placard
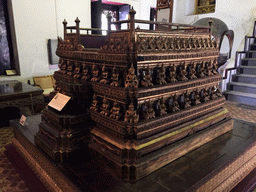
[[22, 120], [59, 101], [11, 72]]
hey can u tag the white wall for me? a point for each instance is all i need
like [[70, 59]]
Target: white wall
[[70, 10], [238, 15], [37, 21]]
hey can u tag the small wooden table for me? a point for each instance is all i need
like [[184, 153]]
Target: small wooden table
[[26, 97]]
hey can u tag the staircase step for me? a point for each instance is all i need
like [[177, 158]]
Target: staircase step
[[245, 98], [252, 54], [249, 62], [242, 87], [247, 70], [253, 47], [244, 78]]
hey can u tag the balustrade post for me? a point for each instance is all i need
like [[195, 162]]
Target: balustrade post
[[132, 13], [77, 31], [210, 25], [132, 46], [109, 22], [65, 27]]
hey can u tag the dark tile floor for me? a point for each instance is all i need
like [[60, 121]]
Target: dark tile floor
[[10, 179]]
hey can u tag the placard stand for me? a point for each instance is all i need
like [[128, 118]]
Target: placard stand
[[64, 129]]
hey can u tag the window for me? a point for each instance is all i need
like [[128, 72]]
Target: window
[[100, 9], [104, 21], [8, 48], [205, 6]]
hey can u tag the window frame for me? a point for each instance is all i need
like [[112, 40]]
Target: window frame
[[210, 7], [11, 36]]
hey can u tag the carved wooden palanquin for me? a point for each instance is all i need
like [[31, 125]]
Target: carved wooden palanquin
[[154, 94]]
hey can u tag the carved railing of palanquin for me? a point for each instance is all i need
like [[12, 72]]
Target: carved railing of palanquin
[[145, 83]]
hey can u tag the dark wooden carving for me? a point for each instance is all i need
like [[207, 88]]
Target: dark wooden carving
[[150, 89]]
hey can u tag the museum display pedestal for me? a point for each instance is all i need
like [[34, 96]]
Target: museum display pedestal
[[218, 165]]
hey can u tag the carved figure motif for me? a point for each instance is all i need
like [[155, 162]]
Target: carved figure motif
[[149, 112], [115, 78], [147, 80], [131, 80], [94, 104], [210, 93], [183, 73], [217, 92], [64, 67], [204, 95], [86, 73], [115, 112], [192, 71], [61, 62], [187, 100], [161, 76], [64, 44], [115, 44], [200, 73], [215, 67], [172, 75], [70, 68], [104, 75], [131, 115], [197, 97], [160, 107], [208, 68], [95, 73], [77, 70], [163, 44], [105, 107], [173, 104]]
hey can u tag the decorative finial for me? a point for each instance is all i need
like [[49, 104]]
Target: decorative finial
[[210, 24], [77, 20], [132, 11], [64, 22]]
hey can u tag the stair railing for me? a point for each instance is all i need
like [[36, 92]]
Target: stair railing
[[249, 40]]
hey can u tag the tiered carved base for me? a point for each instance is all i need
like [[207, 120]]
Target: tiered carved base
[[62, 135], [133, 159], [79, 91]]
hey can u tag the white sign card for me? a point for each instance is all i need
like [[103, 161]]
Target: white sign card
[[22, 120], [59, 101], [11, 72]]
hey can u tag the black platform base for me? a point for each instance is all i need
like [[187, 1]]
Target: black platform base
[[218, 165]]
